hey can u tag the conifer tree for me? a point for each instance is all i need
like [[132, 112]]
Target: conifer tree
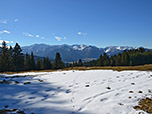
[[33, 66], [38, 64], [105, 60], [27, 62], [80, 62], [100, 61], [18, 58], [10, 59], [58, 64], [4, 61]]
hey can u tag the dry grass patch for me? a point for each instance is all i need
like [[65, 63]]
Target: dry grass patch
[[145, 105], [116, 68]]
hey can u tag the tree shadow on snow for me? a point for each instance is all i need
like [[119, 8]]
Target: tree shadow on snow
[[33, 95]]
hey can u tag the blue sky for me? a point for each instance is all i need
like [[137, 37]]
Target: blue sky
[[92, 22]]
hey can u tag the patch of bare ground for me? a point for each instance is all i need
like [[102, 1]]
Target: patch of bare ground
[[144, 104]]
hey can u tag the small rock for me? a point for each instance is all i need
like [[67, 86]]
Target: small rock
[[86, 85], [108, 87]]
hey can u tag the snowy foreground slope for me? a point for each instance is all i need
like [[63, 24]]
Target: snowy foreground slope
[[75, 92]]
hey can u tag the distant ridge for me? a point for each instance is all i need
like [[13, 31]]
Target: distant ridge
[[71, 53]]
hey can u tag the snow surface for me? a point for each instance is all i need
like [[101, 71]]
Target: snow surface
[[75, 92]]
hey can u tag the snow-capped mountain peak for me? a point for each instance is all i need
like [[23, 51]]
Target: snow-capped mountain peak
[[79, 47], [71, 53]]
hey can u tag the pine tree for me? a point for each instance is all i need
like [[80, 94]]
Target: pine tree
[[10, 59], [100, 61], [124, 59], [4, 61], [18, 58], [27, 62], [80, 62], [38, 64], [58, 64], [105, 60], [48, 63], [33, 66]]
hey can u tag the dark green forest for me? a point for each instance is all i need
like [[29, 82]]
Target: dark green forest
[[13, 60]]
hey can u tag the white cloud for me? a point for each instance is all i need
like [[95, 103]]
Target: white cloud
[[3, 21], [79, 33], [64, 38], [27, 34], [6, 41], [15, 20], [37, 36], [31, 35], [82, 34], [4, 31], [58, 38]]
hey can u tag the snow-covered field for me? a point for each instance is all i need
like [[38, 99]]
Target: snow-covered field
[[75, 92]]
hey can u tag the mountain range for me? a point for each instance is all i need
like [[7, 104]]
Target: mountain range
[[71, 53]]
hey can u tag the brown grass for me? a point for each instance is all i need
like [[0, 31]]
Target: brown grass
[[115, 68], [145, 105]]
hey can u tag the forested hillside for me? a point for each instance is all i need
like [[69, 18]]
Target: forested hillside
[[13, 60]]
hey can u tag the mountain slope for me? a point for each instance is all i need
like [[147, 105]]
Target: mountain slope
[[71, 53]]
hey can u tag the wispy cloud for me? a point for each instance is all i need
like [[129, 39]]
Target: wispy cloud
[[82, 34], [3, 21], [6, 41], [58, 38], [37, 36], [16, 20], [27, 34], [5, 31], [31, 35]]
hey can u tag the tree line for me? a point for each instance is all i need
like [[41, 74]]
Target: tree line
[[13, 60], [128, 58]]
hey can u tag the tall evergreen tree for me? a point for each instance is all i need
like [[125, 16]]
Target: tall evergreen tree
[[33, 65], [18, 58], [58, 64], [27, 62], [38, 64], [124, 59], [10, 58], [80, 62], [100, 61], [4, 61], [105, 60]]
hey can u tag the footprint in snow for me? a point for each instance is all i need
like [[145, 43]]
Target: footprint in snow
[[104, 99], [21, 96], [70, 85], [117, 94], [68, 91], [44, 97], [48, 90], [33, 92], [31, 97]]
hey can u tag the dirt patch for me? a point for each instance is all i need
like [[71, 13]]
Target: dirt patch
[[145, 105], [12, 111]]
